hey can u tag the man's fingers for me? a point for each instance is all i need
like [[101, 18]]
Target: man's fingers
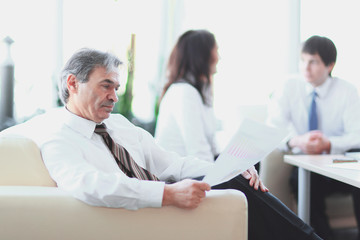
[[202, 186], [246, 175], [254, 181], [263, 188], [199, 189], [315, 134], [257, 183]]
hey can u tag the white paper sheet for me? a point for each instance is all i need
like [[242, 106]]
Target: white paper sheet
[[251, 143]]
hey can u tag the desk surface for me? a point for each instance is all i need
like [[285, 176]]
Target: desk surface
[[321, 164]]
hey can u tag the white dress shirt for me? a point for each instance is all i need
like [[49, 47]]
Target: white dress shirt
[[185, 124], [80, 162], [338, 111]]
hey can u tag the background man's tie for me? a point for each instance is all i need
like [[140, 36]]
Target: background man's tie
[[313, 119], [123, 158]]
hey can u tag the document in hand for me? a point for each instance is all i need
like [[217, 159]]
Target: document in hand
[[252, 142]]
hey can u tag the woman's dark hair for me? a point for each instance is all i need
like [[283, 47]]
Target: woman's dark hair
[[322, 46], [191, 58]]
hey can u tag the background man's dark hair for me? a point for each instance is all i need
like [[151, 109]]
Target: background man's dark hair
[[322, 46]]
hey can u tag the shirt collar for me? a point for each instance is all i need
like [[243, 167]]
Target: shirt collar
[[321, 90], [81, 125]]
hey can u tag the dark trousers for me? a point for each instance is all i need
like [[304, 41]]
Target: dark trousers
[[269, 218], [321, 187]]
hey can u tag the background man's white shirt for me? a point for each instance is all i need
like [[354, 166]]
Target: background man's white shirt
[[338, 109]]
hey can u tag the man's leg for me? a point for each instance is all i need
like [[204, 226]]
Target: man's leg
[[340, 187], [269, 218], [325, 187], [320, 188], [356, 201]]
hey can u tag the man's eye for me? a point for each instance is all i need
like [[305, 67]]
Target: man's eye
[[106, 86]]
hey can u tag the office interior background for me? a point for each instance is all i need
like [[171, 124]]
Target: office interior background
[[258, 41]]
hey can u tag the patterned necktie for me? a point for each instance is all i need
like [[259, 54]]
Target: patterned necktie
[[123, 158], [313, 119]]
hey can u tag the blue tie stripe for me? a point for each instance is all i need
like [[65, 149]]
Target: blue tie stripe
[[313, 118]]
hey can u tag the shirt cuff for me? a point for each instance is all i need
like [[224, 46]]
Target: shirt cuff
[[153, 192], [335, 146]]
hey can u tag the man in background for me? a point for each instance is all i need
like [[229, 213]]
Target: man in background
[[323, 114]]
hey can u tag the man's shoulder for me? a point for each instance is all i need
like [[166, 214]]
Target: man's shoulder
[[290, 86], [38, 127], [123, 128], [117, 121], [118, 118], [338, 82], [343, 88]]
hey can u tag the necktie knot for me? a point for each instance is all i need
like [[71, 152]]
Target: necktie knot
[[101, 129], [314, 94]]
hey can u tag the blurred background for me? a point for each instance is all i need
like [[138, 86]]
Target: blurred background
[[258, 41]]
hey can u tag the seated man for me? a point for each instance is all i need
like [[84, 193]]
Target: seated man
[[104, 160], [324, 114]]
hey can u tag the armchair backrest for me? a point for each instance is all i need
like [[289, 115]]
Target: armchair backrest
[[21, 163]]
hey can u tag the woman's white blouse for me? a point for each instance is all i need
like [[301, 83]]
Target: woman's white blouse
[[185, 124]]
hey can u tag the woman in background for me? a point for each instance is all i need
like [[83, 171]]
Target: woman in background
[[186, 122], [186, 125]]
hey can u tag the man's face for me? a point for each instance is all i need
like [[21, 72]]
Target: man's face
[[313, 69], [95, 99]]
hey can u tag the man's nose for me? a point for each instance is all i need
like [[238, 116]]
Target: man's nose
[[305, 66], [113, 96]]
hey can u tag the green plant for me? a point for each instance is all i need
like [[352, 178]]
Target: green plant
[[124, 105]]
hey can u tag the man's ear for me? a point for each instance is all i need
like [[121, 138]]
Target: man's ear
[[331, 67], [72, 83]]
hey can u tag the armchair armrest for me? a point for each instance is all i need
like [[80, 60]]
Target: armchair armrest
[[31, 212]]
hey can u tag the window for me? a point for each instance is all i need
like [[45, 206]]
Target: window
[[337, 20], [31, 25], [255, 40]]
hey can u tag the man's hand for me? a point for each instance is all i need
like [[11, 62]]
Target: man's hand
[[252, 175], [313, 142], [186, 194]]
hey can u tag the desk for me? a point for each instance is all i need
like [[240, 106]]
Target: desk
[[319, 164]]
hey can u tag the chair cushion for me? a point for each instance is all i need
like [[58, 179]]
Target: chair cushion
[[21, 163]]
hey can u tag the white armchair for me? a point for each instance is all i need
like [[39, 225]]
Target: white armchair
[[32, 207]]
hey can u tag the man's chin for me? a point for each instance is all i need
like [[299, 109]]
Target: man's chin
[[309, 80], [106, 115], [103, 116]]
